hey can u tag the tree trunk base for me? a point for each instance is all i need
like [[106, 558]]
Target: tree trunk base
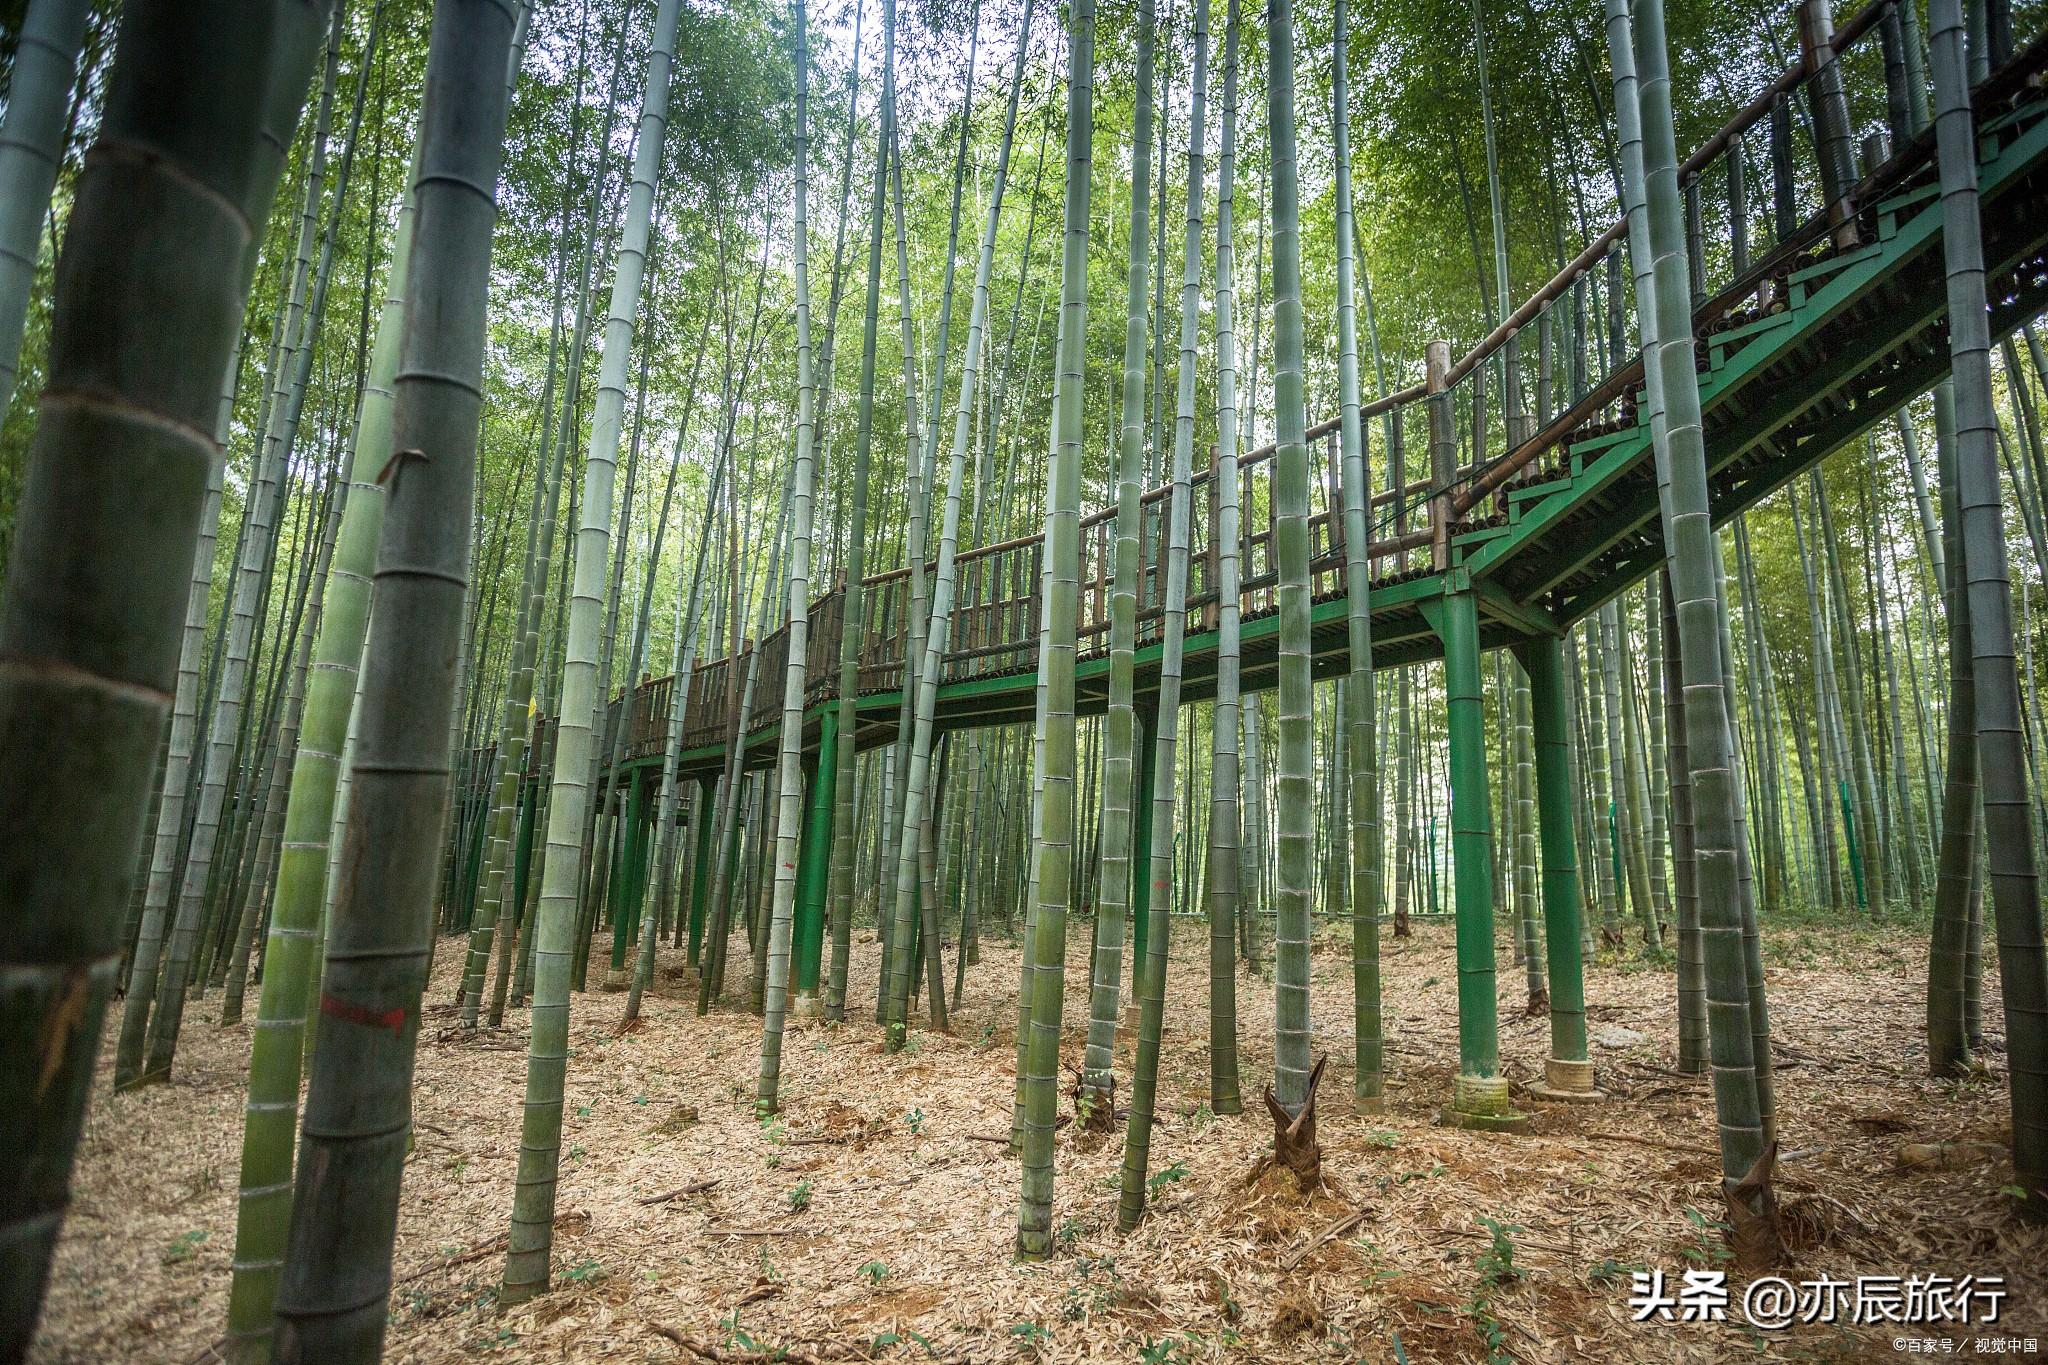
[[1481, 1103], [1567, 1082]]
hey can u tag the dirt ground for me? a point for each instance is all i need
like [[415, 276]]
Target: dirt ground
[[872, 1222]]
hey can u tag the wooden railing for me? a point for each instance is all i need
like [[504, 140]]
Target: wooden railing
[[1768, 191]]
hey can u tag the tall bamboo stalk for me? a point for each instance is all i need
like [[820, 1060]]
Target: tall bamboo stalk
[[2015, 888], [1225, 835], [1122, 753], [337, 1271], [148, 302], [789, 766], [532, 1227], [1151, 987], [31, 153], [149, 1036], [1362, 800], [1058, 645], [270, 1119], [920, 776], [1666, 333], [845, 846], [1295, 887]]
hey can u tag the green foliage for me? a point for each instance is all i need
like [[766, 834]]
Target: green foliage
[[1708, 1245], [1159, 1180], [584, 1271], [1610, 1273], [1496, 1268], [914, 1120], [799, 1197], [1496, 1264], [183, 1247], [885, 1340], [875, 1272]]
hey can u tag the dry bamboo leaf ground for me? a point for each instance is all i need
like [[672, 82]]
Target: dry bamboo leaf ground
[[870, 1223]]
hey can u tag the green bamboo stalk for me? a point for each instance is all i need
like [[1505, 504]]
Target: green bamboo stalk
[[1121, 756], [149, 1036], [1224, 902], [1061, 594], [1870, 828], [281, 753], [1362, 800], [927, 676], [845, 848], [1524, 790], [156, 268], [1607, 845], [1295, 886], [1151, 982], [1666, 334], [2015, 889], [1948, 1040], [270, 1119], [337, 1270], [789, 777], [31, 153], [532, 1227]]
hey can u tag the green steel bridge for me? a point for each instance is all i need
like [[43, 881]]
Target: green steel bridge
[[1532, 495]]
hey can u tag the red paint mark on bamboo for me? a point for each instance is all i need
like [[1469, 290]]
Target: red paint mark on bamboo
[[393, 1019]]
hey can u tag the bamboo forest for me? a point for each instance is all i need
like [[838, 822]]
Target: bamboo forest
[[1165, 681]]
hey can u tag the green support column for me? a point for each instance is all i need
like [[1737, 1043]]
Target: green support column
[[1145, 725], [1480, 1099], [1567, 1074], [626, 882], [814, 862], [522, 850], [700, 866], [639, 860], [472, 873]]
